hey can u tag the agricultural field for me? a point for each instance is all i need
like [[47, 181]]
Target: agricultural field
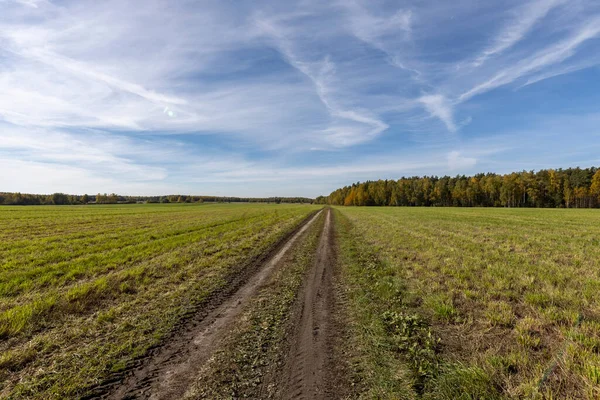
[[472, 303], [274, 301], [87, 290]]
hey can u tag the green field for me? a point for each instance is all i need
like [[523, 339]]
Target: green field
[[454, 303], [428, 303], [86, 289]]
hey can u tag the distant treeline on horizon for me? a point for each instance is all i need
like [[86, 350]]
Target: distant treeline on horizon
[[68, 199], [566, 188]]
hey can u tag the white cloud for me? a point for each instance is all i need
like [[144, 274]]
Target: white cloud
[[458, 162], [348, 126], [62, 63], [39, 177], [438, 106], [551, 55], [29, 3], [371, 29], [526, 17], [560, 71], [376, 31], [107, 155]]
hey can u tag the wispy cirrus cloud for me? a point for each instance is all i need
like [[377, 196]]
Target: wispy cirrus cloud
[[525, 18], [438, 106], [348, 126], [549, 56]]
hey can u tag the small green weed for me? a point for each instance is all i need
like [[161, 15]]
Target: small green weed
[[413, 338]]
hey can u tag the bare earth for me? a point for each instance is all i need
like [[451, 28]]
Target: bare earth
[[306, 373], [172, 368]]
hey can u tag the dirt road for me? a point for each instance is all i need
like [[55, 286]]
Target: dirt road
[[170, 371], [308, 367]]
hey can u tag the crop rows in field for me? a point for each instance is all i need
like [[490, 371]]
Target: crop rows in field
[[483, 303], [84, 290]]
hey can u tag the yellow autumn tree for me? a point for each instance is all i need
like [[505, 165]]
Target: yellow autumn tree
[[595, 187], [349, 200]]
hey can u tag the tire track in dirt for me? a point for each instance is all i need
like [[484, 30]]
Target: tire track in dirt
[[309, 371], [169, 373]]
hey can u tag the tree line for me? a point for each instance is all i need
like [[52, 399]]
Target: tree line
[[566, 188], [68, 199]]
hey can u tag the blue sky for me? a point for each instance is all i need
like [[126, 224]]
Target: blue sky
[[262, 98]]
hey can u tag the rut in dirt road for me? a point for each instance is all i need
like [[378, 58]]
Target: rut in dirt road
[[308, 372], [169, 373]]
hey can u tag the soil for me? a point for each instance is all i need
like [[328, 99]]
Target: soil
[[311, 370]]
